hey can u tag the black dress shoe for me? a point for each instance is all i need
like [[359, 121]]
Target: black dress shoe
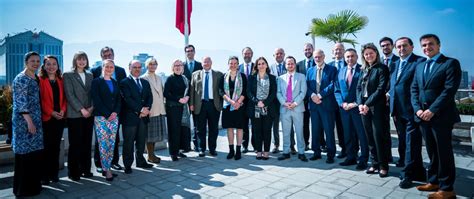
[[127, 171], [348, 162], [400, 164], [383, 175], [293, 151], [315, 157], [174, 158], [116, 166], [145, 166], [202, 154], [265, 158], [284, 156], [74, 178], [324, 149], [213, 153], [54, 179], [341, 155], [330, 160], [87, 175], [258, 157], [181, 155], [276, 150], [405, 184], [302, 157], [245, 150], [361, 166], [371, 170]]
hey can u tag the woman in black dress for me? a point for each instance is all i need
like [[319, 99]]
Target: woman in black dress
[[371, 100], [233, 88], [261, 93], [177, 95]]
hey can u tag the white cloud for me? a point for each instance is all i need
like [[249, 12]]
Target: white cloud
[[446, 11]]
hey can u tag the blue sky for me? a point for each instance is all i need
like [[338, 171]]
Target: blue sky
[[233, 24]]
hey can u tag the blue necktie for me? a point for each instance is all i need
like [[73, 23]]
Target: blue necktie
[[427, 71], [279, 69], [206, 87], [401, 68], [191, 67], [339, 64], [139, 85]]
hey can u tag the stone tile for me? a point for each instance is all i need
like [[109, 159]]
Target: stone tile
[[324, 190], [262, 193], [218, 192], [347, 195], [306, 194], [369, 190]]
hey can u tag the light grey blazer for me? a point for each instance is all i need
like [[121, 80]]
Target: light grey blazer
[[299, 91], [78, 95]]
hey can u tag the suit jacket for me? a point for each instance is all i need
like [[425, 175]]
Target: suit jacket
[[46, 96], [376, 79], [274, 69], [187, 73], [78, 94], [333, 63], [196, 90], [298, 90], [301, 66], [156, 86], [328, 79], [242, 68], [399, 92], [134, 101], [437, 94], [119, 73], [391, 67], [105, 102], [343, 92], [269, 102]]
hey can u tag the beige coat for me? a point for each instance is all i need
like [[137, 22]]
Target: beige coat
[[158, 105]]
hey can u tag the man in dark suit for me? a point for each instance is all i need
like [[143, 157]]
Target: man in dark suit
[[322, 106], [302, 67], [345, 92], [409, 136], [206, 105], [434, 86], [389, 59], [338, 53], [119, 74], [191, 66], [247, 68], [137, 96]]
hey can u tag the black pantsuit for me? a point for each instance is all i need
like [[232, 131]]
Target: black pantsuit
[[53, 132], [80, 141], [208, 116], [411, 149], [375, 124], [175, 134], [27, 179], [262, 131]]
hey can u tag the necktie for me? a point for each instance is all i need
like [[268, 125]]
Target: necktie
[[279, 69], [191, 66], [400, 69], [427, 70], [349, 76], [308, 63], [206, 87], [289, 90], [385, 61], [139, 85], [339, 64], [247, 73], [318, 83]]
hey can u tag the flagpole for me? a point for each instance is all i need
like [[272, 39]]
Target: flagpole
[[186, 26]]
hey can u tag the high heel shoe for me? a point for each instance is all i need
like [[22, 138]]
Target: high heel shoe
[[259, 156], [383, 173], [371, 170]]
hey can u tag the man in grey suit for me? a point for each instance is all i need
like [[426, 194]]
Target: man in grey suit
[[206, 105], [277, 69], [302, 67], [291, 93]]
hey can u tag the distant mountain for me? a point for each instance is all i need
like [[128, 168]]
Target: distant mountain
[[124, 52]]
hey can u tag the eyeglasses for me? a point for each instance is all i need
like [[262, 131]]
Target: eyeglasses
[[189, 51]]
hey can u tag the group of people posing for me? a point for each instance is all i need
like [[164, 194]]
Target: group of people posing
[[357, 100]]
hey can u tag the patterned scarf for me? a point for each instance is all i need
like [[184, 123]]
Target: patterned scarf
[[186, 117], [237, 88]]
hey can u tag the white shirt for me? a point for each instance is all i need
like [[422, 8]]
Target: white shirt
[[83, 77], [209, 90]]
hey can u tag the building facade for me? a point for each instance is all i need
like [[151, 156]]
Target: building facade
[[13, 49], [142, 57]]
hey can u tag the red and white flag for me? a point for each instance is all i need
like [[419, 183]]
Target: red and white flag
[[180, 15]]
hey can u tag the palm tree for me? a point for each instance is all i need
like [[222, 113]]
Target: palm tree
[[337, 27]]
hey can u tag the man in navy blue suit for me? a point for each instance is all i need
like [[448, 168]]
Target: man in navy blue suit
[[345, 92], [338, 52], [137, 96], [433, 89], [409, 136], [119, 74], [247, 68], [322, 105]]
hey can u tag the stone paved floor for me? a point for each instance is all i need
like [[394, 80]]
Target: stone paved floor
[[217, 177]]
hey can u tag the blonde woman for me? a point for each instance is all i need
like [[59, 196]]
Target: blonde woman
[[157, 130]]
